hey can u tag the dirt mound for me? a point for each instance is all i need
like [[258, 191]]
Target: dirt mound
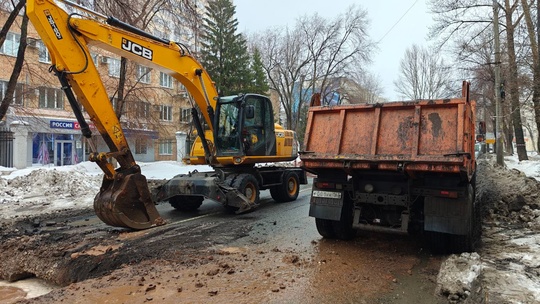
[[504, 270], [508, 195]]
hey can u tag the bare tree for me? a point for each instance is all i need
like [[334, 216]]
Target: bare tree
[[423, 75], [10, 91], [535, 67], [512, 81], [467, 21], [310, 57]]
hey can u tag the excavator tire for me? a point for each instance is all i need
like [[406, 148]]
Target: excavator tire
[[125, 201], [186, 203], [247, 184], [288, 190]]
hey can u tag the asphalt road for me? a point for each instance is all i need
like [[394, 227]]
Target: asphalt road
[[272, 255]]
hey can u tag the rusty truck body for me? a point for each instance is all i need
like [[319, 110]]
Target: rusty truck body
[[405, 167]]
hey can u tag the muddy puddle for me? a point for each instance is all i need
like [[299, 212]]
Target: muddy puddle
[[11, 292]]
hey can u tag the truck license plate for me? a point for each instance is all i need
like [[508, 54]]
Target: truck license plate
[[326, 194]]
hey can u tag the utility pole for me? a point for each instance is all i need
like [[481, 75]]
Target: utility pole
[[498, 138]]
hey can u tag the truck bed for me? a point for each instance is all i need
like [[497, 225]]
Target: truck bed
[[423, 135]]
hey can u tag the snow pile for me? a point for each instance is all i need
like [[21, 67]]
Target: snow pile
[[42, 191], [457, 276], [37, 190], [505, 268], [52, 183], [515, 199]]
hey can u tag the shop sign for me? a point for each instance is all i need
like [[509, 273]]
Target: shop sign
[[72, 125], [57, 124]]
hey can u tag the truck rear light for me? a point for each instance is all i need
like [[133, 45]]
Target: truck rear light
[[451, 194], [325, 185]]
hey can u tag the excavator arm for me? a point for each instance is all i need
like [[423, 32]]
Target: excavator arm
[[124, 199]]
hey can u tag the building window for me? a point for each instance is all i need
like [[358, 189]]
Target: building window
[[165, 80], [95, 58], [140, 146], [11, 44], [165, 113], [114, 102], [50, 98], [143, 74], [43, 52], [114, 67], [165, 147], [186, 115], [142, 109], [17, 95]]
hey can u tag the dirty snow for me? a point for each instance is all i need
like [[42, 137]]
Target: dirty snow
[[506, 267], [46, 189]]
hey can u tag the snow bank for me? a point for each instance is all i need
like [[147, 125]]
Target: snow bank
[[458, 275], [47, 189], [505, 268]]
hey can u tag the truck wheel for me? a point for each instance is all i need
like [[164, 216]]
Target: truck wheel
[[288, 190], [437, 241], [343, 228], [186, 203], [324, 227], [248, 185]]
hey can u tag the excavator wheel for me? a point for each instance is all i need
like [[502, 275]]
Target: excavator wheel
[[288, 191], [186, 203], [247, 184], [125, 202]]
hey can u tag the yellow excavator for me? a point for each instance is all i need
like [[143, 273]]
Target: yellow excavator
[[235, 134]]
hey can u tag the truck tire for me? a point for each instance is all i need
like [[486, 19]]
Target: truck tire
[[186, 203], [325, 228], [343, 228], [289, 188], [248, 185]]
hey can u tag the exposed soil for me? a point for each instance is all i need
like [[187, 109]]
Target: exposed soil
[[275, 255]]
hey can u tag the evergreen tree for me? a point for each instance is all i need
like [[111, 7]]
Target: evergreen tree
[[260, 82], [224, 51]]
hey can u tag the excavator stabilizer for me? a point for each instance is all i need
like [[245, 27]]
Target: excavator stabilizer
[[125, 201]]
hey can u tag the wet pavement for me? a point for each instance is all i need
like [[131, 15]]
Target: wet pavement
[[271, 255]]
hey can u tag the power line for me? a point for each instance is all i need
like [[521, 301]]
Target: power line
[[393, 26]]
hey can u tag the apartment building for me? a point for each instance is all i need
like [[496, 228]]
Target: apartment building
[[155, 117]]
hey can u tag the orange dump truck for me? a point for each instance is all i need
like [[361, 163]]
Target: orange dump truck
[[406, 167]]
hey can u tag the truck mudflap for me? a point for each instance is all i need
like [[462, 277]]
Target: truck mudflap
[[447, 215], [326, 205], [205, 184]]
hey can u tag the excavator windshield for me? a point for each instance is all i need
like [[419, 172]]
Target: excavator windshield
[[228, 139], [245, 126]]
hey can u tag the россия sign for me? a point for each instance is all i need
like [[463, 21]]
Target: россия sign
[[60, 124]]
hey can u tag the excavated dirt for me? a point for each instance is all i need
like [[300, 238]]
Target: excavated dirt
[[274, 255]]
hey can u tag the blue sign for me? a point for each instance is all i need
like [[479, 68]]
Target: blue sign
[[56, 124]]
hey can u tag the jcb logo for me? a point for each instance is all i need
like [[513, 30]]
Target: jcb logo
[[136, 49]]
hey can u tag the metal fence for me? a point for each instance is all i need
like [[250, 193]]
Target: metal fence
[[6, 147]]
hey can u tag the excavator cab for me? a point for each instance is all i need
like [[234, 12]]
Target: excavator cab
[[245, 126]]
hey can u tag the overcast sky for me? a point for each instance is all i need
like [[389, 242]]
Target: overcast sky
[[257, 15]]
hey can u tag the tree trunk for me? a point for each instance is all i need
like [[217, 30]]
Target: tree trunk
[[533, 39], [120, 101], [513, 89], [12, 16], [10, 91]]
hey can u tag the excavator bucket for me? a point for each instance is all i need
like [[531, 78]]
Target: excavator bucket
[[125, 201]]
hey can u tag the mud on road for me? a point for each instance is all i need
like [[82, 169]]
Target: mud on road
[[272, 255]]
